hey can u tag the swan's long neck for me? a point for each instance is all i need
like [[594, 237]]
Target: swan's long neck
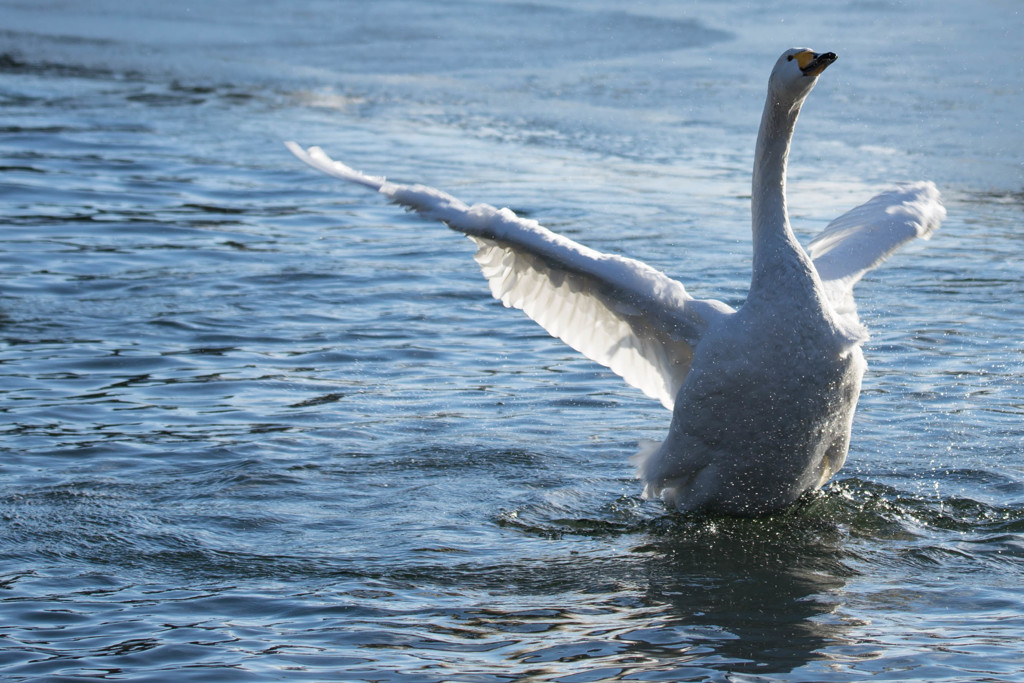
[[776, 251]]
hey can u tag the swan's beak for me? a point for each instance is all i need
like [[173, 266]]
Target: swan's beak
[[817, 62]]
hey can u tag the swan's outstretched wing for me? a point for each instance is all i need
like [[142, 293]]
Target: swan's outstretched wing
[[863, 237], [617, 311]]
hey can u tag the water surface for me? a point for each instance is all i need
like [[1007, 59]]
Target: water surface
[[262, 426]]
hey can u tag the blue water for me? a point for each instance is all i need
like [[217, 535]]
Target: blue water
[[259, 425]]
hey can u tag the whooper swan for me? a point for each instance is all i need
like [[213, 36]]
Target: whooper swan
[[762, 398]]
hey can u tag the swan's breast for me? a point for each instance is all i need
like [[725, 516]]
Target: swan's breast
[[762, 416]]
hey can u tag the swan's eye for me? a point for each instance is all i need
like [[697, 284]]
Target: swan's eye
[[789, 58]]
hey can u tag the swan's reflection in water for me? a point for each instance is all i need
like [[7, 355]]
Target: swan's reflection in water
[[694, 598], [755, 595]]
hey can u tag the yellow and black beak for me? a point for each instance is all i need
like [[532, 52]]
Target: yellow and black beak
[[813, 63]]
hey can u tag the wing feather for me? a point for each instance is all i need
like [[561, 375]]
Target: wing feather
[[863, 237], [617, 311]]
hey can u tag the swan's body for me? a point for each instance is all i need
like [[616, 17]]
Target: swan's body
[[763, 397]]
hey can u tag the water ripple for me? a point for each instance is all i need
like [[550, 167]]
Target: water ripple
[[257, 427]]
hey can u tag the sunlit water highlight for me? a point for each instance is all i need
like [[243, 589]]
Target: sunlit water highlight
[[261, 426]]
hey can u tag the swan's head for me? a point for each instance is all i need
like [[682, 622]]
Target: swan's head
[[797, 71]]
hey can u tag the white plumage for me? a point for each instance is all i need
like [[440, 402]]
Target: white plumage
[[762, 397]]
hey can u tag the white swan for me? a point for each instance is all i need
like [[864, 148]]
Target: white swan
[[762, 397]]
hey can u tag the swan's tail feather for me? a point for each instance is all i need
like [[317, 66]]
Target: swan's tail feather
[[641, 460]]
